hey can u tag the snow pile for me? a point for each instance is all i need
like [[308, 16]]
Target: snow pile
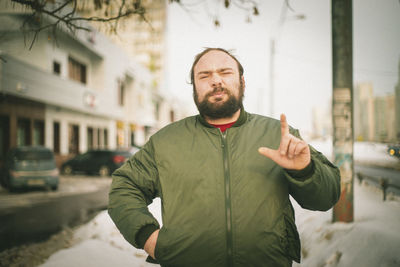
[[374, 154], [100, 244], [373, 239], [367, 153]]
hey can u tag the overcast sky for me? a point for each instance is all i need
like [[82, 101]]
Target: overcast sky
[[303, 74]]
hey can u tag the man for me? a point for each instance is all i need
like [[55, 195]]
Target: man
[[224, 178]]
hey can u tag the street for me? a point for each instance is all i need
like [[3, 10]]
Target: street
[[29, 216], [392, 175]]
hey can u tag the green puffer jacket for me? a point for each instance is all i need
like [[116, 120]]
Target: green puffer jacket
[[223, 204]]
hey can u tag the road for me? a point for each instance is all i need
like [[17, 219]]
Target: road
[[34, 215], [392, 175]]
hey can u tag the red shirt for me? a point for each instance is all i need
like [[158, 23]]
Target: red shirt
[[223, 127]]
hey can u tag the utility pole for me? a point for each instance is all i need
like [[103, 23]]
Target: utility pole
[[342, 105]]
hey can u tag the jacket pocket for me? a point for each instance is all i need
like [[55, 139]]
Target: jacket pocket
[[171, 245], [281, 244], [292, 239]]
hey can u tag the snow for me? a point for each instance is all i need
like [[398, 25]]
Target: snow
[[373, 239]]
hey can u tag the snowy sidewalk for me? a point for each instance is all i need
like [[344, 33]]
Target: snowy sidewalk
[[372, 240]]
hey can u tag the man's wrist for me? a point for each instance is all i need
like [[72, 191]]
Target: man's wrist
[[144, 234], [303, 174]]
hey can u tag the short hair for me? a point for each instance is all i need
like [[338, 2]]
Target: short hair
[[205, 51]]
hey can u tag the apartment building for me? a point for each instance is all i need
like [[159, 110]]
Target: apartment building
[[364, 119], [144, 40], [374, 116], [397, 107], [70, 94]]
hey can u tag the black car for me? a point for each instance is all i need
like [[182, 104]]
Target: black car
[[29, 166], [102, 162], [394, 150]]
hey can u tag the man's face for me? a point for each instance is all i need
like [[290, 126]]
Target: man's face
[[218, 89]]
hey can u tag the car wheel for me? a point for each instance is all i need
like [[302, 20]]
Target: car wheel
[[104, 171], [67, 170], [54, 187]]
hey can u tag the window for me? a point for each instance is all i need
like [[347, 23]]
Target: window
[[56, 137], [90, 138], [105, 138], [121, 93], [38, 133], [4, 135], [73, 139], [23, 132], [98, 137], [56, 68], [132, 138], [76, 70]]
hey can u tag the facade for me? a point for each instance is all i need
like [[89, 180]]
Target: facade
[[73, 94], [145, 41], [384, 119], [397, 107], [374, 116], [321, 122], [364, 119]]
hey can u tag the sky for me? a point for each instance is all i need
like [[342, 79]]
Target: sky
[[302, 66]]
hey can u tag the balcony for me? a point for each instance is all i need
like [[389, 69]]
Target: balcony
[[20, 79]]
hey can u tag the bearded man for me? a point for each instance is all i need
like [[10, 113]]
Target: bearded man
[[224, 178]]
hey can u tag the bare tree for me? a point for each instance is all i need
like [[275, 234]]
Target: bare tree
[[74, 15]]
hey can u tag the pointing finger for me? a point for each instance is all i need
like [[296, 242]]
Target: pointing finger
[[284, 145], [284, 125]]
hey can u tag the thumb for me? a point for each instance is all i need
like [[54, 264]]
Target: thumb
[[269, 153]]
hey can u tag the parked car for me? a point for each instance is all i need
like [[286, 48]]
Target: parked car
[[103, 162], [394, 150], [29, 166]]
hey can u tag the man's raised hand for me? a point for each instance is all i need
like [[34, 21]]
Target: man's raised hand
[[293, 153]]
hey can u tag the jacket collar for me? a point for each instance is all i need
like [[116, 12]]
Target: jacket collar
[[240, 121]]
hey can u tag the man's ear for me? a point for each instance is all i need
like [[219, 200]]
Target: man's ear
[[243, 82]]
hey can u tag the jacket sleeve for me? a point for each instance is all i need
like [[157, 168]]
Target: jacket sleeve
[[134, 186], [320, 190]]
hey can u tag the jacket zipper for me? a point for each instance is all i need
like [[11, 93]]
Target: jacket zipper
[[228, 208]]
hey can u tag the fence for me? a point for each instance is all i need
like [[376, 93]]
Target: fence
[[383, 182]]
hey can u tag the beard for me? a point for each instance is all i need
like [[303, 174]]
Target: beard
[[219, 109]]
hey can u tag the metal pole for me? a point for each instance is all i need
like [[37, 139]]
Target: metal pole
[[272, 78], [342, 105]]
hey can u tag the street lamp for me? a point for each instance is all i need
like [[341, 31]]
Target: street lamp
[[273, 41]]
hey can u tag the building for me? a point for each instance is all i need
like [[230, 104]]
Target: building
[[144, 40], [321, 121], [384, 118], [70, 94], [397, 107], [364, 119], [374, 116]]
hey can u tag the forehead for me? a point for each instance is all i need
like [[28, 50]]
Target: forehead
[[215, 60]]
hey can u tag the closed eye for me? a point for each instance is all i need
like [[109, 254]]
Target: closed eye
[[226, 72], [203, 76]]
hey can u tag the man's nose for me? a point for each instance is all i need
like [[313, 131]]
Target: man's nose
[[215, 79]]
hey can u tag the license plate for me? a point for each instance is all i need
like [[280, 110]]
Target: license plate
[[35, 182]]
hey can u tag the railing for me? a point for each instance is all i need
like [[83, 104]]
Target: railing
[[383, 182]]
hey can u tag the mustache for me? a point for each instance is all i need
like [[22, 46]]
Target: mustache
[[218, 89]]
